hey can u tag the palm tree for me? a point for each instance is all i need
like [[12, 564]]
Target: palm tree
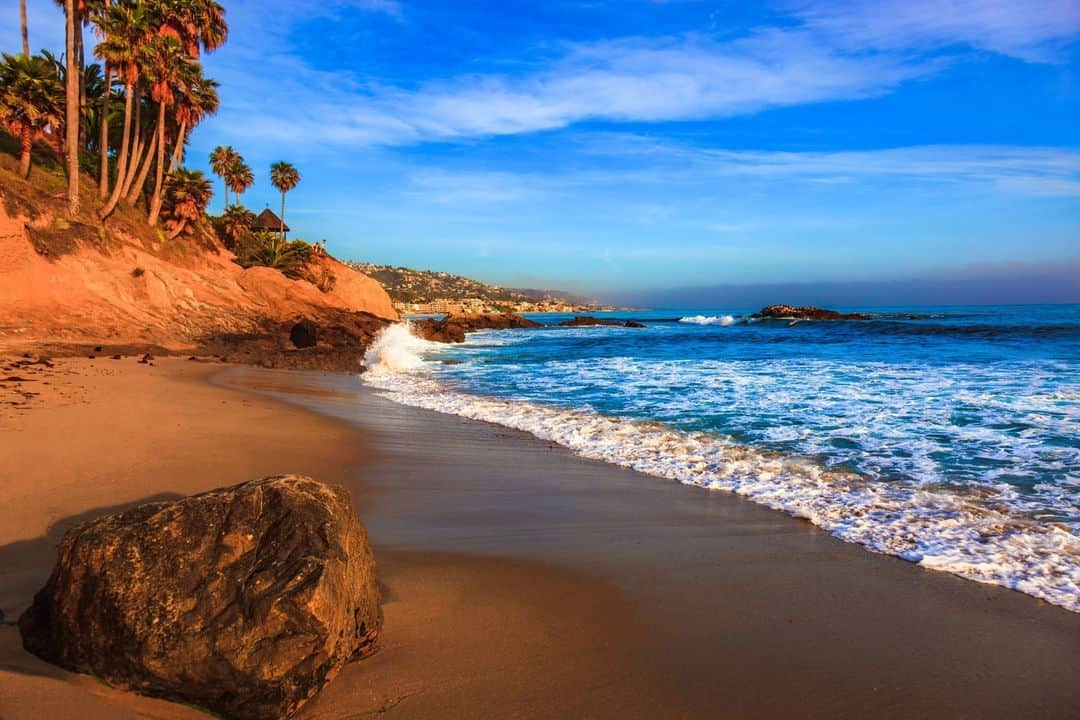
[[30, 100], [197, 98], [25, 33], [71, 109], [168, 65], [239, 177], [126, 29], [221, 160], [236, 222], [284, 177], [196, 24], [188, 194], [98, 13]]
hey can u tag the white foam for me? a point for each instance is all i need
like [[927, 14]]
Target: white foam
[[723, 320], [982, 535], [395, 349]]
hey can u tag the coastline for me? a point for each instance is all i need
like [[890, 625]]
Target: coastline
[[521, 580], [748, 611], [106, 435]]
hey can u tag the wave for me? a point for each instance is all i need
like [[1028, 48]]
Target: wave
[[952, 531], [395, 349], [723, 320]]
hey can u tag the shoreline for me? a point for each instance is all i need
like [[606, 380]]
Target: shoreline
[[521, 580], [133, 433], [736, 595]]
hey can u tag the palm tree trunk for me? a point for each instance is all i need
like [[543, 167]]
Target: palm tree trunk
[[282, 218], [136, 142], [25, 34], [178, 151], [82, 76], [71, 111], [136, 187], [159, 179], [122, 161], [176, 231], [103, 137], [26, 143]]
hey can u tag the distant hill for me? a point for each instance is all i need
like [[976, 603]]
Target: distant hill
[[406, 285], [563, 295]]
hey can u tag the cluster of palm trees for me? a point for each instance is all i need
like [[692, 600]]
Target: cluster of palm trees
[[236, 174], [131, 114]]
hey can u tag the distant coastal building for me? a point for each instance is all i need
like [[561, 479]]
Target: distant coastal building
[[467, 306], [269, 222]]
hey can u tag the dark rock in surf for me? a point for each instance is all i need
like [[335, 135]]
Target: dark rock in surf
[[587, 320], [304, 334], [804, 312], [453, 328], [245, 600]]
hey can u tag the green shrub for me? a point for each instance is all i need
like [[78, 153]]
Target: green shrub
[[267, 249]]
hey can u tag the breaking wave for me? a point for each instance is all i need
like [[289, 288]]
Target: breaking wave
[[723, 320], [975, 532]]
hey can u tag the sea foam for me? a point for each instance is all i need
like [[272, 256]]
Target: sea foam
[[936, 528], [723, 320]]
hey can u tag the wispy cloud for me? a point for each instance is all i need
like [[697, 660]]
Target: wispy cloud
[[1033, 30], [1014, 170], [832, 51]]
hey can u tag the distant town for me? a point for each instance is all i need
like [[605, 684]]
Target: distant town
[[426, 292]]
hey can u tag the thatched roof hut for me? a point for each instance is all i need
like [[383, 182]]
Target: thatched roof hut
[[269, 222]]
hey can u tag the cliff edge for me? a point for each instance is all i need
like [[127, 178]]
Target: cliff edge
[[78, 282]]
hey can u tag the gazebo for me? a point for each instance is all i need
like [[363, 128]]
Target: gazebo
[[269, 222]]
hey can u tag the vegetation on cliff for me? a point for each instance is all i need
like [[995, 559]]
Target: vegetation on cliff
[[122, 124]]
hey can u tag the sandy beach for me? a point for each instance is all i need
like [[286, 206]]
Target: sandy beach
[[519, 580]]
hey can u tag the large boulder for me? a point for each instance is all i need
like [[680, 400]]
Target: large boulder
[[245, 600]]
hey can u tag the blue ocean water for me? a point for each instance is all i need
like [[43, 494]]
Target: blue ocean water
[[949, 435]]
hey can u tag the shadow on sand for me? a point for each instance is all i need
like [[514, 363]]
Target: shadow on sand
[[24, 567]]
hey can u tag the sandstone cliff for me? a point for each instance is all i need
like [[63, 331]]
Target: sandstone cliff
[[80, 283]]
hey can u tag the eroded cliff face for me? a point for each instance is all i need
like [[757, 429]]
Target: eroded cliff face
[[77, 283]]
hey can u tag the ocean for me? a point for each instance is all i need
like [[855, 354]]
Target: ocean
[[947, 436]]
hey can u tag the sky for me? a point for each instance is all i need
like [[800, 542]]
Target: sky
[[617, 147]]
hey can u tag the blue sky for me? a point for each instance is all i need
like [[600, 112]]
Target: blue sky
[[603, 146]]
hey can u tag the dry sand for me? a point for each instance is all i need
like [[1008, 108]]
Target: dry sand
[[520, 581], [464, 636]]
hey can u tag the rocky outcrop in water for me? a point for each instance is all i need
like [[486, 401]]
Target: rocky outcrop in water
[[588, 320], [805, 312], [245, 601], [452, 328]]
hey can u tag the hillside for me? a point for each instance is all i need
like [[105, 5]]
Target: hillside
[[74, 282], [409, 287]]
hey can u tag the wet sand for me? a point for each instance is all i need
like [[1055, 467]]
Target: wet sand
[[521, 581], [465, 636], [745, 612]]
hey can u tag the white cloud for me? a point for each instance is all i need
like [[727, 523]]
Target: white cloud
[[840, 50], [645, 162], [632, 79], [1033, 30]]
